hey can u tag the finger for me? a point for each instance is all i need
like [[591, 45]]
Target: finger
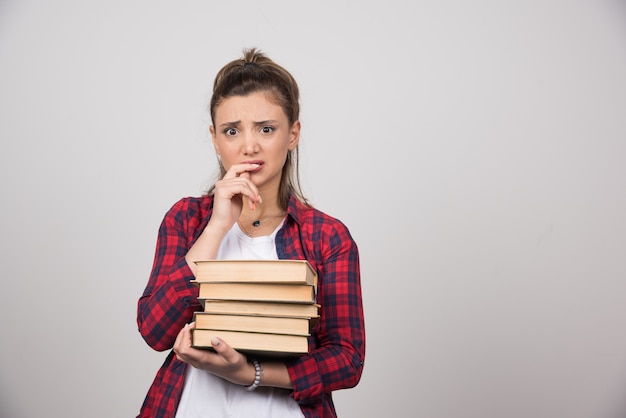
[[184, 350], [179, 343], [186, 335], [222, 348], [236, 170], [179, 337], [236, 191], [256, 197], [217, 344], [251, 199], [241, 185]]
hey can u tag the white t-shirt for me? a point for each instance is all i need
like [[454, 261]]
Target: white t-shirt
[[205, 395]]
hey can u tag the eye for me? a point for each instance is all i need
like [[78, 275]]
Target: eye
[[267, 129], [230, 131]]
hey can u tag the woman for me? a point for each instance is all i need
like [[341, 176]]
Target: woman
[[255, 210]]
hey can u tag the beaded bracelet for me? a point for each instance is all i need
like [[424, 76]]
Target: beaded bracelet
[[258, 374]]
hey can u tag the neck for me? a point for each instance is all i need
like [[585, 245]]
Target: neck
[[254, 218], [261, 210], [260, 222]]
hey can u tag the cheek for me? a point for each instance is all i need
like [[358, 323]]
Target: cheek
[[280, 153], [226, 156]]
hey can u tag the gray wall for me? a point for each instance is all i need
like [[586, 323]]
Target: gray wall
[[475, 149]]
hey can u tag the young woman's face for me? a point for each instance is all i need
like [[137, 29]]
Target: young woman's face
[[253, 129]]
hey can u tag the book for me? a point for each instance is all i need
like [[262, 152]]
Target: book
[[270, 271], [296, 325], [267, 307], [253, 342], [268, 292], [245, 307]]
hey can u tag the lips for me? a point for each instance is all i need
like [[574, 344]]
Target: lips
[[260, 163]]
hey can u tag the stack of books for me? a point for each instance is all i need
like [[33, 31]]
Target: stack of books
[[264, 307]]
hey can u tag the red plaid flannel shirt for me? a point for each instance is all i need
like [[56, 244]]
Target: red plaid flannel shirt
[[337, 346]]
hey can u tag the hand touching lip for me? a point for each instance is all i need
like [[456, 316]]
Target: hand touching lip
[[259, 164]]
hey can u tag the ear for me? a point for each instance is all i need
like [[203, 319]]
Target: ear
[[294, 135], [214, 139]]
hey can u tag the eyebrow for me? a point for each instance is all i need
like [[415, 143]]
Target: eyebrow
[[266, 122], [230, 124], [238, 122]]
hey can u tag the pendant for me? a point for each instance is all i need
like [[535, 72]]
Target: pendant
[[256, 223]]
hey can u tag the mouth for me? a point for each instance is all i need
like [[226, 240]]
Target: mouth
[[258, 162]]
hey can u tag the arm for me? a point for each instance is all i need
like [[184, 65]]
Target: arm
[[228, 363], [336, 359], [169, 299]]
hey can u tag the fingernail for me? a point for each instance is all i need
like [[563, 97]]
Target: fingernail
[[215, 341], [259, 198]]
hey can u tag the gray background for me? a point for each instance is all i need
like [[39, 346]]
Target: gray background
[[475, 150]]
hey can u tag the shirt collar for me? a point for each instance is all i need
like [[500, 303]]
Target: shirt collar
[[296, 210]]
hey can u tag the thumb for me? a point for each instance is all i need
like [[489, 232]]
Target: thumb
[[223, 349], [217, 344]]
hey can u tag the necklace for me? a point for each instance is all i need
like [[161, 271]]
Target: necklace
[[256, 224]]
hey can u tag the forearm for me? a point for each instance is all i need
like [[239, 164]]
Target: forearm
[[166, 306], [206, 246], [273, 374], [329, 367]]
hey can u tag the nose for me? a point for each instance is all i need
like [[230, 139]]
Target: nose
[[250, 144]]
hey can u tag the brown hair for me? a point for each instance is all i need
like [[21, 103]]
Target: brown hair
[[255, 72]]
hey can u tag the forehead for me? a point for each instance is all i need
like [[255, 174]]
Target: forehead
[[258, 106]]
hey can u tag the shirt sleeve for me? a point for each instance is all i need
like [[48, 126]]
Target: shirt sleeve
[[169, 299], [336, 361]]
